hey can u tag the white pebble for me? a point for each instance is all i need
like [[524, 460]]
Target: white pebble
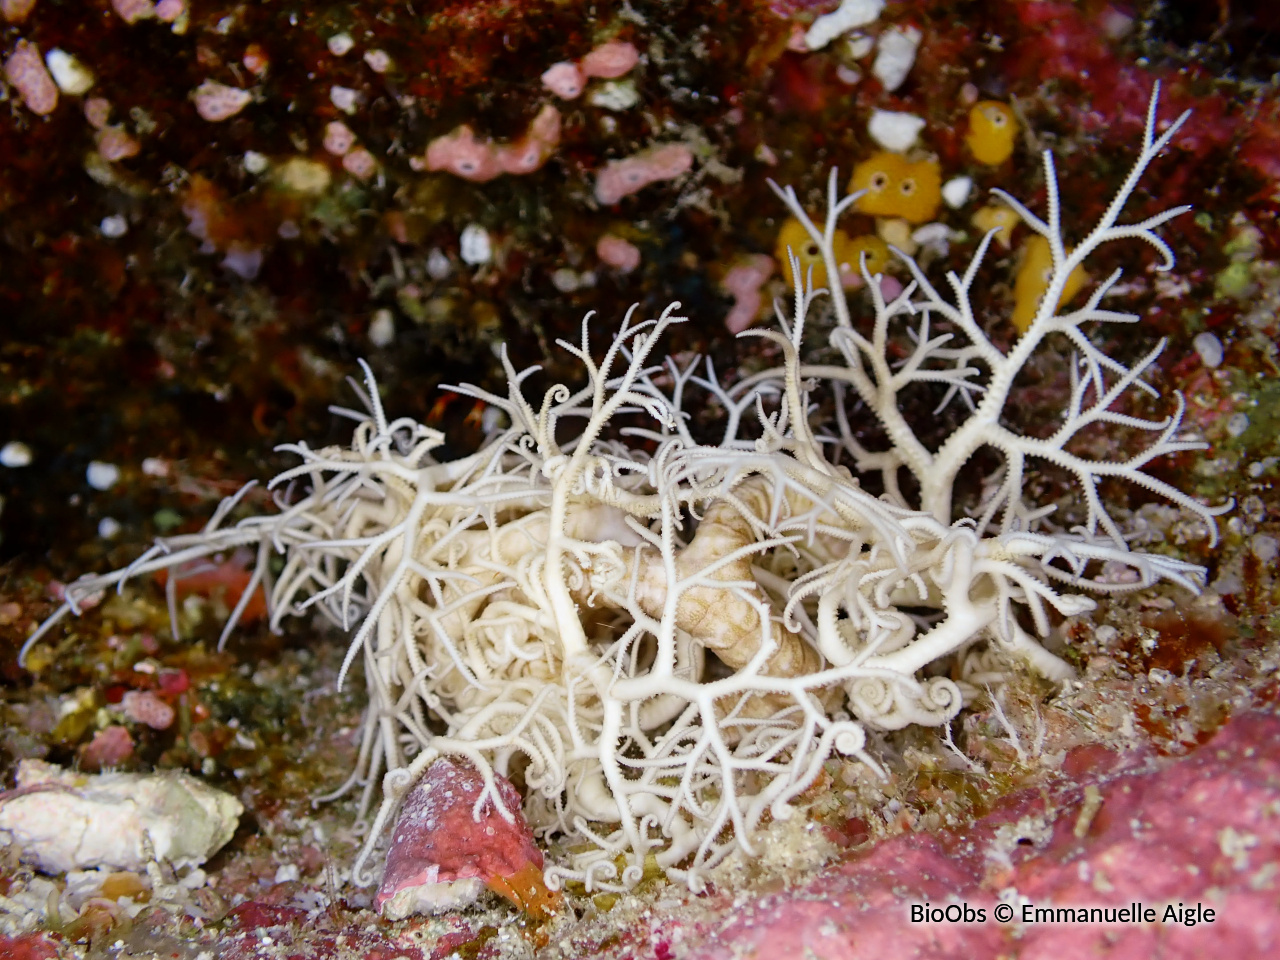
[[438, 265], [894, 130], [1264, 547], [255, 163], [956, 191], [340, 44], [102, 476], [344, 98], [109, 528], [71, 76], [378, 60], [850, 15], [935, 236], [15, 454], [155, 467], [897, 52], [382, 328], [1237, 424], [287, 872], [475, 245], [1105, 633], [114, 226], [1210, 349], [860, 45]]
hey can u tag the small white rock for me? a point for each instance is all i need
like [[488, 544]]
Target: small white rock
[[109, 528], [896, 54], [438, 265], [102, 476], [255, 162], [71, 76], [379, 61], [340, 44], [155, 467], [955, 192], [475, 245], [1265, 547], [860, 45], [114, 226], [935, 236], [62, 820], [15, 454], [616, 95], [287, 872], [894, 130], [1210, 349], [1237, 424], [850, 15], [382, 328], [344, 98]]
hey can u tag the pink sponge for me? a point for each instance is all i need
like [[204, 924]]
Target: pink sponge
[[621, 178]]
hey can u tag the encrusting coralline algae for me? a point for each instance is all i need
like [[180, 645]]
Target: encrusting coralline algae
[[664, 638]]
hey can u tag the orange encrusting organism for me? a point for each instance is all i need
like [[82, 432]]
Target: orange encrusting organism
[[897, 187], [1034, 270], [992, 129]]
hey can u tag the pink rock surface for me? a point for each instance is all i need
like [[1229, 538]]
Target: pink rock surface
[[621, 178], [444, 852], [1202, 831]]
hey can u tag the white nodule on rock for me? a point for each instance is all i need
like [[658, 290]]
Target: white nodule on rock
[[71, 76], [102, 476], [60, 820], [382, 328], [955, 192], [894, 130], [850, 15], [1210, 349], [344, 98], [340, 44], [475, 245], [109, 528], [15, 454], [255, 162], [114, 226], [896, 54]]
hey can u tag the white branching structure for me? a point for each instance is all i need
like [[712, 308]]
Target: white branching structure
[[664, 639]]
